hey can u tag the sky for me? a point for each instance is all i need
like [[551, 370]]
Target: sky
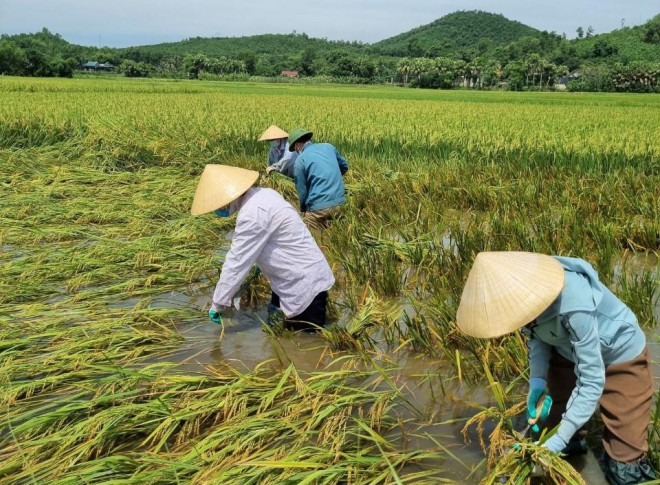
[[122, 23]]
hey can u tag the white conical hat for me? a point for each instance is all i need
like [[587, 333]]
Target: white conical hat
[[507, 290], [220, 185], [273, 133]]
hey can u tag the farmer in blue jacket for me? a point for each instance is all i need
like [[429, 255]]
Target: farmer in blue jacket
[[318, 173], [586, 349]]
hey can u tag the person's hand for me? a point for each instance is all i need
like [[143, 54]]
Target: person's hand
[[215, 316], [537, 471], [555, 443], [537, 387], [269, 169]]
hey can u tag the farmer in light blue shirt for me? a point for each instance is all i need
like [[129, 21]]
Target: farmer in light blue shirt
[[585, 349], [318, 173], [280, 158]]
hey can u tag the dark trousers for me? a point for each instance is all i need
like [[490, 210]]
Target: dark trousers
[[311, 318]]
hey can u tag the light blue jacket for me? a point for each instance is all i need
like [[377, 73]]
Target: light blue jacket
[[277, 150], [318, 173], [590, 327], [280, 158]]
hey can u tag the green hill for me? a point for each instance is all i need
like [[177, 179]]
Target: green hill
[[454, 31], [47, 43], [622, 45], [267, 44]]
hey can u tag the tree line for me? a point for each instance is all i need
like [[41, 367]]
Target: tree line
[[623, 60], [531, 72]]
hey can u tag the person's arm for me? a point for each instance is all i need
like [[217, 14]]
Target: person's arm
[[285, 164], [301, 184], [343, 164], [589, 369], [249, 239], [539, 358]]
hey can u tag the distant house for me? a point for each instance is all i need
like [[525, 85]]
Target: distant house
[[290, 73], [564, 80], [97, 66], [91, 66]]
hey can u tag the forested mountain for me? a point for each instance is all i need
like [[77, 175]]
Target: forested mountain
[[455, 31]]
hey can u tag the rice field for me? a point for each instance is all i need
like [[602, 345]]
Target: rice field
[[110, 372]]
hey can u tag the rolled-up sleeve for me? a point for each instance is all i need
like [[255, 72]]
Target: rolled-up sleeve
[[589, 369], [249, 239]]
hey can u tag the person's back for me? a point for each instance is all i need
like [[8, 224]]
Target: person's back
[[289, 258], [318, 173], [585, 300]]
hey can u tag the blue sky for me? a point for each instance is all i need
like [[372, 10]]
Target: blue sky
[[120, 23]]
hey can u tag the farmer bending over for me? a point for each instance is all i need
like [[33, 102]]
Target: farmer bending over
[[585, 349], [270, 233], [318, 173], [280, 158]]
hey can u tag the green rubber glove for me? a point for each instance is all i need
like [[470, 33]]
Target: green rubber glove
[[537, 386], [215, 316]]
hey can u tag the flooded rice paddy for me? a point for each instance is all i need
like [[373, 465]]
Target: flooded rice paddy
[[429, 384], [110, 371]]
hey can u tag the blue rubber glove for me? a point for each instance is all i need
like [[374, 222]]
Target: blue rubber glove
[[215, 316], [537, 386], [555, 443]]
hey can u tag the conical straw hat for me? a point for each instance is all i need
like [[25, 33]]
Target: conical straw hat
[[507, 290], [220, 185], [273, 133]]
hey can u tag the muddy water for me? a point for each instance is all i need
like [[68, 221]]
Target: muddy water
[[428, 384]]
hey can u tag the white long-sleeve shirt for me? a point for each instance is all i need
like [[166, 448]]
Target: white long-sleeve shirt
[[270, 233]]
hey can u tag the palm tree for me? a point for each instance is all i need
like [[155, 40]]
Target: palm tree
[[403, 68], [533, 62]]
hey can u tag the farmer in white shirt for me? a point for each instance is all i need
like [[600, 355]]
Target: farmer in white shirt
[[270, 233]]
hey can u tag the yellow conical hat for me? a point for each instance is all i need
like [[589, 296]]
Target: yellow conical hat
[[506, 290], [220, 185], [273, 133]]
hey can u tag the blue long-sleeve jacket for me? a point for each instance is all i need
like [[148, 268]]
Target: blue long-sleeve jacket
[[318, 173], [588, 325]]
